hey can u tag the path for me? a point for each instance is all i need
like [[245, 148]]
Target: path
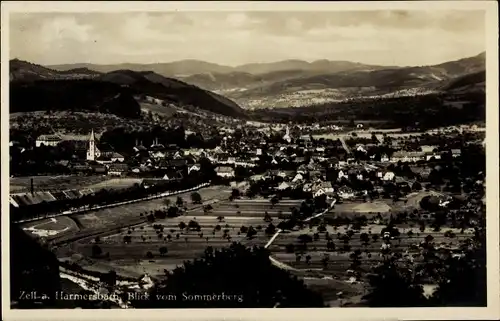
[[347, 149], [282, 265]]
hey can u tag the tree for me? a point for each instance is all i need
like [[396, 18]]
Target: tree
[[290, 248], [251, 232], [220, 218], [193, 225], [163, 250], [321, 228], [274, 200], [416, 186], [235, 193], [207, 208], [127, 239], [325, 260], [173, 211], [149, 255], [355, 259], [223, 269], [167, 202], [364, 238], [464, 278], [179, 202], [196, 198], [305, 238], [182, 225], [270, 229], [267, 217], [330, 246], [393, 287], [96, 251]]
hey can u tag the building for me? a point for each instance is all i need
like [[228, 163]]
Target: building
[[224, 171], [48, 140], [456, 152], [345, 192], [102, 155], [405, 157], [194, 168], [117, 169], [92, 151], [389, 176], [287, 137]]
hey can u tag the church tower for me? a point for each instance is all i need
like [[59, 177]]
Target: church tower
[[91, 151], [287, 137]]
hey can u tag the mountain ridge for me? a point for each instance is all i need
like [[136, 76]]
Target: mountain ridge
[[27, 78]]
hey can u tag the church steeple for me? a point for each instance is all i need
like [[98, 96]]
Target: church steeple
[[287, 137], [91, 151]]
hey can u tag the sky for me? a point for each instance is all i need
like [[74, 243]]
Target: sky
[[403, 38]]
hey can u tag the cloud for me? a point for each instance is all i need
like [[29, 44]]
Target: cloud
[[381, 37]]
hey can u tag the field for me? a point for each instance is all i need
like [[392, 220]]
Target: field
[[153, 247], [63, 182], [110, 216], [51, 227], [362, 208], [130, 259], [339, 259], [334, 278], [115, 183]]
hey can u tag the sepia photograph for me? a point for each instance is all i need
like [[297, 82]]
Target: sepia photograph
[[208, 155]]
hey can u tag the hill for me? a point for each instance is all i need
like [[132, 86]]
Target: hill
[[177, 68], [306, 89], [20, 70], [467, 83], [35, 87], [185, 68]]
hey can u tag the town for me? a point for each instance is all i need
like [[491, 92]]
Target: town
[[213, 159], [362, 188]]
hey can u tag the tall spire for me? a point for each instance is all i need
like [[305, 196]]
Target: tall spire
[[91, 151]]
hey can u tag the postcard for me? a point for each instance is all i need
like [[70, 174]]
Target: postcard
[[250, 160]]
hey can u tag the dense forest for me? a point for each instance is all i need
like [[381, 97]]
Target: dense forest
[[74, 95], [112, 93]]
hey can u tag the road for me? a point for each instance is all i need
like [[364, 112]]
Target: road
[[342, 140], [284, 266]]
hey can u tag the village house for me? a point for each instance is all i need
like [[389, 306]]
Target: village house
[[173, 176], [48, 140], [322, 188], [298, 178], [194, 168], [405, 157], [256, 178], [429, 156], [117, 169], [283, 186], [225, 171], [345, 192], [361, 148], [428, 148], [342, 174], [456, 152], [387, 176]]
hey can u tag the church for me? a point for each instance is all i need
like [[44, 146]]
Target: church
[[101, 154]]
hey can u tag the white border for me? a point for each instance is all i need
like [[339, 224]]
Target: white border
[[492, 179]]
